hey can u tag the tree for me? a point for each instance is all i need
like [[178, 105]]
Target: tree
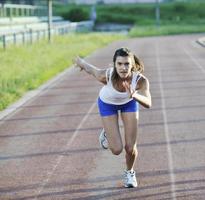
[[31, 2]]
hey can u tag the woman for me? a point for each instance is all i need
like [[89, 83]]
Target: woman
[[124, 87]]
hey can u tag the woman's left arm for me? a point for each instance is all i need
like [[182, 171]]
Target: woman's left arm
[[142, 93]]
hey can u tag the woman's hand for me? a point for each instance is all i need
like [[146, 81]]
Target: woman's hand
[[128, 88], [79, 62]]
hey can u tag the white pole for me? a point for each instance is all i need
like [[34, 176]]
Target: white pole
[[157, 13], [49, 19]]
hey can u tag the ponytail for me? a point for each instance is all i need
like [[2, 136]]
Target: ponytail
[[139, 65]]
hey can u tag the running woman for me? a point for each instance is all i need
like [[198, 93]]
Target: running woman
[[124, 88]]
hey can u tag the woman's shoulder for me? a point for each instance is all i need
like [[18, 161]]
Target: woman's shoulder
[[142, 76], [109, 71], [139, 76], [143, 80]]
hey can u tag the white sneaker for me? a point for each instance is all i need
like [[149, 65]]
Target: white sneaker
[[130, 180], [103, 140]]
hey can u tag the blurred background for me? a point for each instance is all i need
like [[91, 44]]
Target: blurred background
[[39, 38], [135, 17]]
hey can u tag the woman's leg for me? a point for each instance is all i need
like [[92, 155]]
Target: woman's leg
[[111, 126], [130, 121]]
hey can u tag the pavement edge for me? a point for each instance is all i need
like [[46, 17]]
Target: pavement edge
[[31, 94]]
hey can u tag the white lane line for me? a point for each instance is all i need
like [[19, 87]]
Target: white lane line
[[194, 60], [166, 128], [59, 159]]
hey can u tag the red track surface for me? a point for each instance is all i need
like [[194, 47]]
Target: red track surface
[[49, 147]]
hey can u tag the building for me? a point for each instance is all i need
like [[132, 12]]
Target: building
[[30, 2]]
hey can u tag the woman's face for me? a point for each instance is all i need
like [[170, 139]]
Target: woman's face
[[123, 65]]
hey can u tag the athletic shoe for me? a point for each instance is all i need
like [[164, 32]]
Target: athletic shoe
[[130, 180], [103, 140]]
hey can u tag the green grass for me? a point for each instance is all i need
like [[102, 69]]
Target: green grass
[[144, 14], [25, 68], [191, 12], [127, 14], [175, 17], [73, 12], [151, 30]]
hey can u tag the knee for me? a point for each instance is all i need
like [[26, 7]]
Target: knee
[[130, 149], [116, 151]]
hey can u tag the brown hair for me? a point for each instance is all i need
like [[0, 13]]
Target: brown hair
[[138, 65]]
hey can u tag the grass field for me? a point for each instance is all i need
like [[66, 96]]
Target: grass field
[[151, 30], [24, 68], [190, 12], [175, 17]]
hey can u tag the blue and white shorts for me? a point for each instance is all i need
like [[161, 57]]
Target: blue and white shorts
[[106, 109]]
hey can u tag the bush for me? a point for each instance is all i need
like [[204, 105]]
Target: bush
[[180, 8], [76, 15]]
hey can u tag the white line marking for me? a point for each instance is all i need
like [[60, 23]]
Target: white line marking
[[194, 60], [166, 128], [59, 159]]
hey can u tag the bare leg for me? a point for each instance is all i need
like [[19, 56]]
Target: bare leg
[[111, 126], [130, 121]]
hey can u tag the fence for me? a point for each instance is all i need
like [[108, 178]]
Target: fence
[[31, 35], [18, 10]]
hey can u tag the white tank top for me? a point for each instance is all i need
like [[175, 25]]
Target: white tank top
[[108, 94]]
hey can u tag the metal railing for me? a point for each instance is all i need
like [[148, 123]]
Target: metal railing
[[31, 35]]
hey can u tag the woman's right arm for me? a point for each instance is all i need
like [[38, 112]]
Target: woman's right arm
[[99, 74]]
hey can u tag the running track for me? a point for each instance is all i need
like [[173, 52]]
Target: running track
[[49, 146]]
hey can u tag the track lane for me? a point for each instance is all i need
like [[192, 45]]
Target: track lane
[[35, 138]]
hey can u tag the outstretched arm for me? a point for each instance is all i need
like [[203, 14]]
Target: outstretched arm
[[99, 74]]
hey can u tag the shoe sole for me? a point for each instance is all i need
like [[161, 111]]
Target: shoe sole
[[100, 141], [130, 186]]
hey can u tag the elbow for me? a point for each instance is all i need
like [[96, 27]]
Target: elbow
[[149, 104]]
